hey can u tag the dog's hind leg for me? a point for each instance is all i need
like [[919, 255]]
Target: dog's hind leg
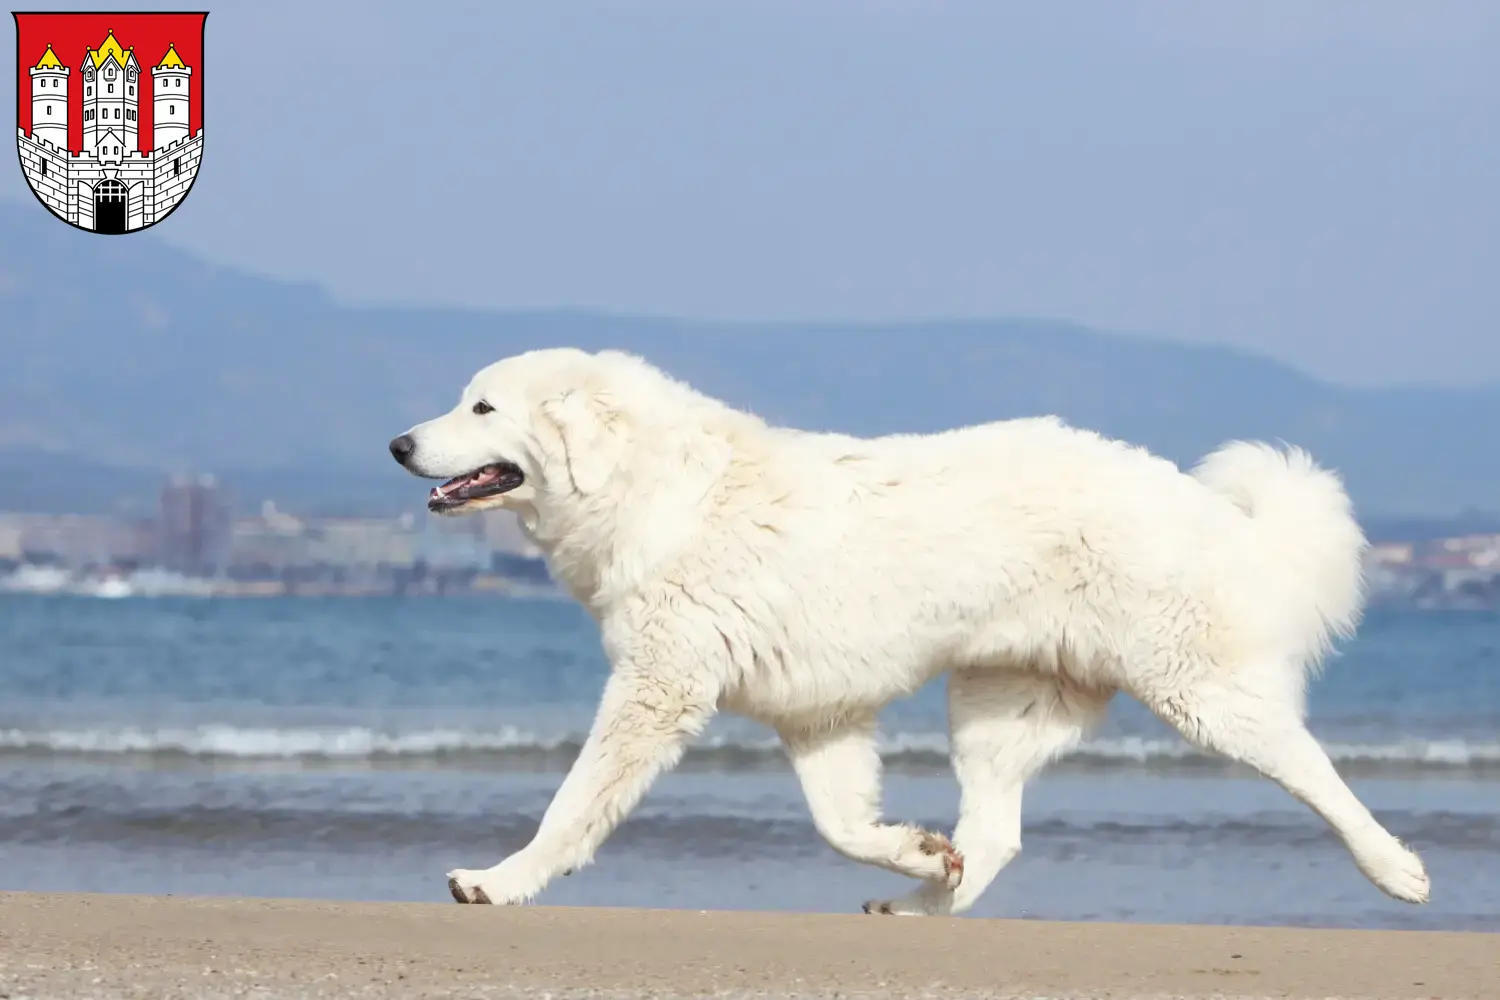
[[1005, 726], [1224, 715], [840, 771]]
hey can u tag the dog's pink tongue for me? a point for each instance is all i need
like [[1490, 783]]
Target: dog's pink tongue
[[439, 492], [480, 478]]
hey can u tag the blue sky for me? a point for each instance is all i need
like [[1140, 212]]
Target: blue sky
[[1311, 179]]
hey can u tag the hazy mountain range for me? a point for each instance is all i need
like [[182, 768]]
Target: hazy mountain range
[[122, 358]]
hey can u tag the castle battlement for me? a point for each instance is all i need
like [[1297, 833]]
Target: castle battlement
[[40, 142], [134, 154], [175, 143]]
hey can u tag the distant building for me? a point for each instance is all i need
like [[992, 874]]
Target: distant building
[[1480, 550], [502, 532], [363, 544], [265, 546], [194, 526], [1391, 554], [445, 543], [75, 540]]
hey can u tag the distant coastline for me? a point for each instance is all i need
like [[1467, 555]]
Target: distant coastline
[[151, 582], [275, 555], [196, 544]]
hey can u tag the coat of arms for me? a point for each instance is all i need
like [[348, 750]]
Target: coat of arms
[[109, 114]]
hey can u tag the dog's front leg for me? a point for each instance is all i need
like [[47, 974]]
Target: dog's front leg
[[643, 725]]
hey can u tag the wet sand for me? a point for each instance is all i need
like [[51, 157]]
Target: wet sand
[[109, 946]]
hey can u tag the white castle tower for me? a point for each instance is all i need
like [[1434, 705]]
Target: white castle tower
[[111, 78], [49, 100], [171, 85]]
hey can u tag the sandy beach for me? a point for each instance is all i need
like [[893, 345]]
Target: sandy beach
[[161, 947]]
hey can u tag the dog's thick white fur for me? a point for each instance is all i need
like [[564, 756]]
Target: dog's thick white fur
[[805, 580]]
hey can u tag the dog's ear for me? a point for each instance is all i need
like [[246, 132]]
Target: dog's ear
[[593, 436]]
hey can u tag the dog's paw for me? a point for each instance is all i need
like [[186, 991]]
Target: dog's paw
[[1398, 872], [466, 894], [948, 870], [481, 887], [917, 904]]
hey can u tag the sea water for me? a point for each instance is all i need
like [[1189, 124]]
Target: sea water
[[360, 748]]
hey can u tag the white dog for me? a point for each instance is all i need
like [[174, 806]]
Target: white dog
[[806, 580]]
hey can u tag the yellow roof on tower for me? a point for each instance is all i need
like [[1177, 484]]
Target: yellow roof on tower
[[49, 60], [111, 49]]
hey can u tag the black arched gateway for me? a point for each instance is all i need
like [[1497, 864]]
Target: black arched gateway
[[109, 207]]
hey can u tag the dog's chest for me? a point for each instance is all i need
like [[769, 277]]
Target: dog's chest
[[814, 688]]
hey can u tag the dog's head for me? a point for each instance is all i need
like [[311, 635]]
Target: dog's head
[[540, 425]]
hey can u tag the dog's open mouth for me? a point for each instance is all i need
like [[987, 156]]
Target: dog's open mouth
[[490, 481]]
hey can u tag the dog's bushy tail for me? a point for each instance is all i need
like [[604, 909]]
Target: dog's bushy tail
[[1308, 528]]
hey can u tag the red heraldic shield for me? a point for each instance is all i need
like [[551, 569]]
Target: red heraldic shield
[[109, 114]]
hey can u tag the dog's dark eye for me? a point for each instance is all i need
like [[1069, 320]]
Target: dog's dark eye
[[482, 408]]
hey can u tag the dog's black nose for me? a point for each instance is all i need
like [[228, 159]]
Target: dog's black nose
[[402, 447]]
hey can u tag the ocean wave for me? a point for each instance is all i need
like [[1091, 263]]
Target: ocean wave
[[85, 813], [511, 748]]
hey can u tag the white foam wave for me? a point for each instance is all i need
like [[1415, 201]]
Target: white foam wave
[[270, 743], [229, 742], [1411, 752]]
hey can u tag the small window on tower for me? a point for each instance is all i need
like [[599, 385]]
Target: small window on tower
[[171, 109], [132, 91], [44, 168], [111, 88], [177, 166], [178, 83], [49, 111], [117, 112]]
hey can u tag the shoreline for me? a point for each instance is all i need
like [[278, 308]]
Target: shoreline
[[105, 946]]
